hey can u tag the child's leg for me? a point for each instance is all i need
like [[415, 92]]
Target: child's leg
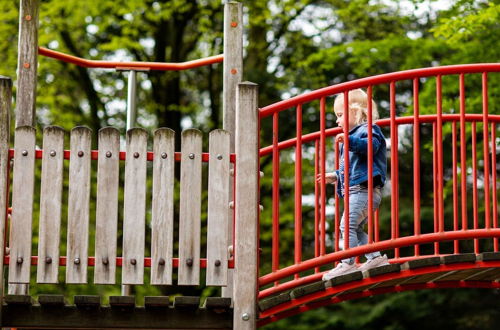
[[358, 203], [362, 236]]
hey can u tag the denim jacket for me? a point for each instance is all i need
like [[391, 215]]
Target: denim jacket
[[358, 154]]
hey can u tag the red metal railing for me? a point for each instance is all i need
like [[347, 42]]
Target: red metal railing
[[310, 155]]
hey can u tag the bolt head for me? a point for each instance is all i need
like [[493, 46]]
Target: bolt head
[[80, 153], [48, 260], [108, 154], [189, 262], [105, 261], [245, 316], [217, 263], [191, 156], [219, 156], [77, 261], [133, 262], [136, 154], [19, 260], [164, 155], [24, 152], [52, 153], [161, 262]]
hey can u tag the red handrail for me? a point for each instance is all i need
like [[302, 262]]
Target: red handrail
[[130, 65]]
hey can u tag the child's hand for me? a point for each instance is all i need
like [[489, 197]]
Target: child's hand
[[329, 177], [340, 138]]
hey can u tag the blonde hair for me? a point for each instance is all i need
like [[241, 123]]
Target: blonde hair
[[358, 105]]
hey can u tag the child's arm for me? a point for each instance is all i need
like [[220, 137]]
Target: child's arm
[[360, 144], [329, 177]]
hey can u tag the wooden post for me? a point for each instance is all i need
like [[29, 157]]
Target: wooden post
[[232, 73], [246, 208], [27, 62], [5, 104]]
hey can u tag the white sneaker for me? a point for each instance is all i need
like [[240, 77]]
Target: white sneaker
[[341, 269], [375, 262]]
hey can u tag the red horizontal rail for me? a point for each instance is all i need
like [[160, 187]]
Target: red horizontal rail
[[377, 246], [130, 65], [407, 120], [119, 262], [376, 80], [94, 154]]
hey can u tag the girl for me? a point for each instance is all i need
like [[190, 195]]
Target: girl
[[358, 177]]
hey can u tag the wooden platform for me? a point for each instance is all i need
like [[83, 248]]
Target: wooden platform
[[53, 311]]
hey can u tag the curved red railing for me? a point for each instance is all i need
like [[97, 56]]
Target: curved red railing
[[130, 65], [469, 132]]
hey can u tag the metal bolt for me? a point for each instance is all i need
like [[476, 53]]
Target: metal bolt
[[105, 261], [24, 152], [189, 262], [108, 154], [27, 17], [219, 156], [80, 153], [245, 316], [136, 154], [48, 260], [161, 262], [26, 65], [234, 24], [217, 263], [234, 71], [163, 155], [19, 260], [77, 261], [52, 153], [133, 262], [231, 205], [191, 156], [231, 172]]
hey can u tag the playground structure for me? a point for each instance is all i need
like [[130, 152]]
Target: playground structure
[[420, 258]]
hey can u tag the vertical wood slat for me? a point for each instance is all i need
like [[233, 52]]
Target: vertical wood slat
[[134, 218], [27, 62], [108, 169], [50, 205], [218, 205], [22, 205], [5, 107], [162, 222], [78, 205], [190, 208]]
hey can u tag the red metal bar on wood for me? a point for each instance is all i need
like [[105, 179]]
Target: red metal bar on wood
[[494, 182], [416, 162], [276, 196], [130, 65], [439, 145], [486, 163], [370, 165], [322, 143], [316, 201], [346, 115], [337, 201], [456, 246], [474, 185], [434, 182], [298, 187], [394, 167], [463, 152]]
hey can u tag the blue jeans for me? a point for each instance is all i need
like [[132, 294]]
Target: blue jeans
[[358, 217]]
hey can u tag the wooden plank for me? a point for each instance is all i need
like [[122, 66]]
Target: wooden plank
[[162, 223], [27, 63], [218, 206], [233, 60], [22, 205], [5, 107], [134, 214], [78, 205], [190, 208], [247, 206], [108, 169], [50, 205]]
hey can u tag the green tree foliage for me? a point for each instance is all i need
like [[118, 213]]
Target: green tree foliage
[[290, 47]]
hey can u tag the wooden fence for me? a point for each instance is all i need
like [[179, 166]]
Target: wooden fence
[[133, 185]]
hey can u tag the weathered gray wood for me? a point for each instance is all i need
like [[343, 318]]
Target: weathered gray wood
[[162, 223], [190, 208], [50, 205], [134, 214], [218, 206], [5, 107], [78, 205], [22, 205], [27, 63], [247, 207], [233, 59], [108, 169]]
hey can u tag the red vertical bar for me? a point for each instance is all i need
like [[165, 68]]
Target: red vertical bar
[[7, 189], [463, 154], [298, 188], [474, 184], [322, 143], [455, 185], [486, 167], [377, 225], [337, 202], [416, 163], [346, 170], [276, 196], [370, 166], [394, 168], [494, 182], [435, 188], [440, 152], [316, 201]]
